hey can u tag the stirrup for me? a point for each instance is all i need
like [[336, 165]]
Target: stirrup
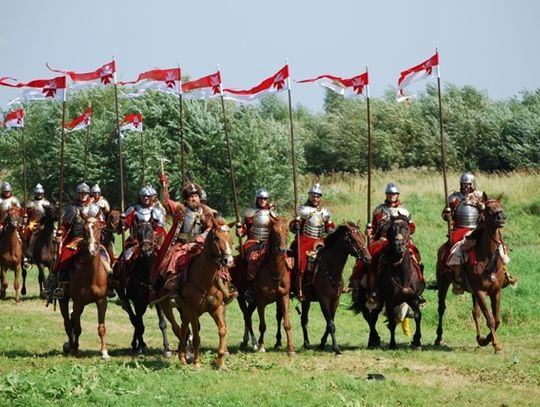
[[58, 293], [26, 264], [371, 302], [174, 300], [249, 296]]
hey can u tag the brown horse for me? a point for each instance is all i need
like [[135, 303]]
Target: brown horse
[[327, 283], [88, 282], [11, 251], [484, 279], [45, 249], [271, 284], [200, 293], [112, 226]]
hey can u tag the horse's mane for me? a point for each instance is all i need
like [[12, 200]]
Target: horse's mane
[[334, 236]]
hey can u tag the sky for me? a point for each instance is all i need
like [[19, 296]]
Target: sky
[[491, 45]]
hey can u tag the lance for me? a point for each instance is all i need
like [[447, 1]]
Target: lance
[[143, 177], [62, 141], [25, 184], [86, 143], [231, 167], [370, 158], [181, 118], [295, 183]]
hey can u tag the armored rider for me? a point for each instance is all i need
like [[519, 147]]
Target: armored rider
[[100, 201], [7, 202], [35, 209], [256, 224], [314, 222]]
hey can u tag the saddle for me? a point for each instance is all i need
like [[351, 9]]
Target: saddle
[[254, 257]]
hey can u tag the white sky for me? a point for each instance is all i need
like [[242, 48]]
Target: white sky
[[491, 45]]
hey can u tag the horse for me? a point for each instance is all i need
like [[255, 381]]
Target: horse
[[399, 281], [271, 284], [112, 226], [326, 284], [484, 279], [11, 252], [200, 293], [88, 283], [45, 248], [138, 287]]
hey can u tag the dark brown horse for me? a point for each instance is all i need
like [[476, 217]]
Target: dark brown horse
[[45, 248], [200, 293], [399, 282], [88, 282], [11, 252], [484, 279], [138, 286], [326, 285], [271, 284], [112, 226]]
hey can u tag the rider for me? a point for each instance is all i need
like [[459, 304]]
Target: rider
[[35, 209], [313, 221], [100, 201], [71, 233], [7, 202], [256, 223]]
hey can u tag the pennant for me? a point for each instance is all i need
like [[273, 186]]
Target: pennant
[[104, 75], [273, 84], [81, 122], [14, 119], [350, 88], [162, 80], [426, 69], [132, 122], [41, 89], [206, 87]]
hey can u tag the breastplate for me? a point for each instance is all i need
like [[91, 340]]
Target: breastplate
[[466, 215], [143, 214], [314, 224], [191, 225], [260, 228]]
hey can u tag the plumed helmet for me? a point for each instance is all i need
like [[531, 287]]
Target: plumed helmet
[[39, 189], [467, 178], [145, 191], [191, 189], [203, 195], [262, 193], [6, 187], [96, 189], [315, 189], [83, 188], [391, 188]]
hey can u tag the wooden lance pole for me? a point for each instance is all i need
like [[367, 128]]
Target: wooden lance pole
[[181, 118], [86, 147], [370, 158], [120, 163]]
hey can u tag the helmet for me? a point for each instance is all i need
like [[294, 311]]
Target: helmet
[[191, 189], [391, 188], [262, 193], [6, 187], [203, 195], [83, 188], [145, 191], [467, 178], [153, 191], [96, 189], [316, 189], [39, 189]]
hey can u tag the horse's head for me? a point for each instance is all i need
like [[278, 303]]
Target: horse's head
[[219, 242], [493, 213], [356, 242], [398, 235], [92, 234], [113, 221], [279, 233], [14, 218], [145, 237]]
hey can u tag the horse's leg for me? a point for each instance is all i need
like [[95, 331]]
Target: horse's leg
[[23, 288], [443, 290], [17, 283], [102, 330], [304, 319], [247, 313], [279, 317], [3, 289], [371, 318], [482, 302], [163, 327], [126, 306], [283, 306], [496, 310], [219, 319], [41, 279], [391, 325], [417, 338], [262, 326], [78, 309], [329, 311], [194, 321], [141, 304], [68, 326], [168, 312]]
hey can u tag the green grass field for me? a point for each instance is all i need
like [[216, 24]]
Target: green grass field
[[33, 370]]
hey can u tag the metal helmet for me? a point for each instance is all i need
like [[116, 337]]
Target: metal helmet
[[391, 188], [203, 195], [467, 178], [96, 189], [316, 189], [145, 191], [191, 189], [83, 188], [262, 193], [6, 187], [39, 189], [152, 190]]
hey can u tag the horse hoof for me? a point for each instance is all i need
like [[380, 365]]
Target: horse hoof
[[243, 345], [167, 354], [320, 347], [291, 353], [261, 349], [417, 347], [482, 341], [66, 347], [439, 342], [255, 348], [218, 363], [498, 352], [105, 356], [23, 291], [277, 346], [307, 345], [338, 354]]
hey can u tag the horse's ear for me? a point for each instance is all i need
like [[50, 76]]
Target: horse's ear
[[499, 198], [231, 224], [484, 197]]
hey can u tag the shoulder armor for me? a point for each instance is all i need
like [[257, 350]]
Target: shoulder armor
[[305, 211], [250, 212], [273, 212], [404, 212], [69, 213], [93, 210], [158, 215]]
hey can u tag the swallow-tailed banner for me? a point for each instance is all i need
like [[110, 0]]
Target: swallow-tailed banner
[[427, 69], [354, 87], [104, 75], [40, 89], [81, 122], [162, 80], [273, 84], [14, 119], [206, 87]]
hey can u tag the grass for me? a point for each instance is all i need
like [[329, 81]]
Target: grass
[[33, 370]]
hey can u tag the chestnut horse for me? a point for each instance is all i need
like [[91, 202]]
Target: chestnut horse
[[271, 284], [112, 226], [484, 279], [399, 281], [45, 250], [137, 288], [88, 282], [11, 252], [200, 293], [326, 284]]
